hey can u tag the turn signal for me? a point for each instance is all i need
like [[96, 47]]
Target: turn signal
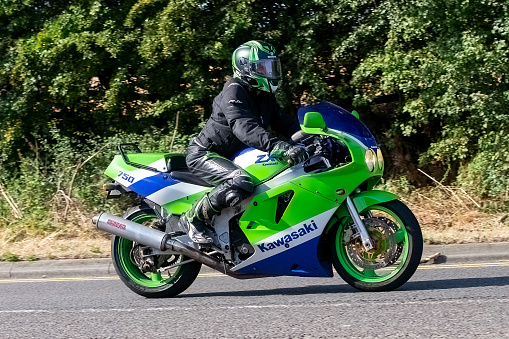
[[380, 158]]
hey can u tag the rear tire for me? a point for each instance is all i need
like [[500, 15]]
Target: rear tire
[[150, 285], [397, 253]]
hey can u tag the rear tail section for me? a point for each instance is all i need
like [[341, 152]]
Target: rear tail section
[[157, 177]]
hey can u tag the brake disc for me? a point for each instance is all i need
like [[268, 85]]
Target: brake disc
[[150, 263], [385, 251]]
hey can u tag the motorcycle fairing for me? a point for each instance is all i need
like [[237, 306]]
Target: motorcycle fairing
[[291, 251], [292, 236], [158, 187]]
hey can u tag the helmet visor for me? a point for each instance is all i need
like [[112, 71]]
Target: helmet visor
[[267, 68]]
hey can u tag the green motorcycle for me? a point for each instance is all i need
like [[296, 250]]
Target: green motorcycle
[[302, 219]]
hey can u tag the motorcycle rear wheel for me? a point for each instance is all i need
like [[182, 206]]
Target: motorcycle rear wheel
[[398, 248], [151, 285]]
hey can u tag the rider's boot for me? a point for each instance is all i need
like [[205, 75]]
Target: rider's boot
[[194, 220]]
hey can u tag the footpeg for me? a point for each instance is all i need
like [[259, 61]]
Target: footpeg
[[176, 234], [209, 247]]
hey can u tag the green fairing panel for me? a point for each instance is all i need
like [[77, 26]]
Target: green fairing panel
[[259, 220], [347, 177], [327, 184], [261, 172], [147, 158], [156, 160], [116, 166], [181, 206]]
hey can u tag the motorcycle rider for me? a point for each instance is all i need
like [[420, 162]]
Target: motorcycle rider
[[241, 114]]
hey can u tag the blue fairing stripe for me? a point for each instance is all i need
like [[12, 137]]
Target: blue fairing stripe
[[301, 260], [150, 185]]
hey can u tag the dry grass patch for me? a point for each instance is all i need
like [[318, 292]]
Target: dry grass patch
[[447, 215], [68, 242]]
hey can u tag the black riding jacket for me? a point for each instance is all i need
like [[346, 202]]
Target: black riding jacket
[[240, 117]]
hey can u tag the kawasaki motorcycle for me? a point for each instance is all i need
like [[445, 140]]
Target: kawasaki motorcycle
[[302, 220]]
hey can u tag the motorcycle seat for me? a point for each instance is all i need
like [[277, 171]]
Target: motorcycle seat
[[185, 176], [178, 170]]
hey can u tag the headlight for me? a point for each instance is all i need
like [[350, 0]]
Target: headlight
[[370, 159], [380, 158]]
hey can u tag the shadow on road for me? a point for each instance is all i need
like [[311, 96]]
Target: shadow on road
[[326, 289], [314, 289], [446, 284]]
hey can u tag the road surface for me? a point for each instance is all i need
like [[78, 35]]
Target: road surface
[[460, 300]]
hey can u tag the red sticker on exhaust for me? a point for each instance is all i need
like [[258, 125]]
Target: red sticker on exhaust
[[116, 224]]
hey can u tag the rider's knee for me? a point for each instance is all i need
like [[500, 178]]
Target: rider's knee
[[238, 187], [243, 182]]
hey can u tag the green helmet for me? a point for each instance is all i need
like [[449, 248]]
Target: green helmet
[[257, 63]]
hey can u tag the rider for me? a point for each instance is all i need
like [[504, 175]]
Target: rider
[[241, 114]]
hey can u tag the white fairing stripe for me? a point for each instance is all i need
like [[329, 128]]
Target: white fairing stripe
[[320, 220], [246, 159], [175, 192]]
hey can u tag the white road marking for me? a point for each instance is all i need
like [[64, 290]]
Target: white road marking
[[16, 280], [245, 307]]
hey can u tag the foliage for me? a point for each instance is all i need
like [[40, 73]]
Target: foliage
[[400, 186], [32, 258], [444, 67], [76, 77], [488, 171], [8, 256]]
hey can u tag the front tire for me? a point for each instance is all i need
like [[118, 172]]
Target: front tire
[[395, 257], [127, 263]]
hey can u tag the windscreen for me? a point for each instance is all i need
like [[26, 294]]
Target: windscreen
[[340, 119]]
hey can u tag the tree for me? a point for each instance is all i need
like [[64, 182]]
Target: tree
[[429, 78]]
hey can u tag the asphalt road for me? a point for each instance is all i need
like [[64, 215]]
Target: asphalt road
[[439, 301]]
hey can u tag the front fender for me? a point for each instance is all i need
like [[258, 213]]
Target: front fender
[[361, 201], [368, 198]]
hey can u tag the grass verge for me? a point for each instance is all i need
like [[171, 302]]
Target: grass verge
[[450, 215], [447, 215]]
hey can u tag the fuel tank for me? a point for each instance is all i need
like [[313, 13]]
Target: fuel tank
[[260, 165]]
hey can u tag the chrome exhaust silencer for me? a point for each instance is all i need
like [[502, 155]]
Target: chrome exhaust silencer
[[156, 239], [130, 230]]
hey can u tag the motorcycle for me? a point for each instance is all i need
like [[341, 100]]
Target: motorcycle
[[302, 219]]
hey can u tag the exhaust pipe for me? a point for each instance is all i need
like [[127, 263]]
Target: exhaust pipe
[[131, 230], [156, 239]]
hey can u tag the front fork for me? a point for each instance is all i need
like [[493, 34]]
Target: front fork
[[359, 225]]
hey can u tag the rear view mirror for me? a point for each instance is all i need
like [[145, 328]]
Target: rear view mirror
[[314, 120]]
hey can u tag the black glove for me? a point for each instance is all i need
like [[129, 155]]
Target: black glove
[[292, 153]]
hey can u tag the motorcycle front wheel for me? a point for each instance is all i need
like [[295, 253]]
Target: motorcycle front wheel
[[397, 251], [151, 276]]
